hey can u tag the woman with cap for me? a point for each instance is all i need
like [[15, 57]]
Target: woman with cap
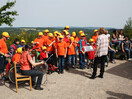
[[3, 55]]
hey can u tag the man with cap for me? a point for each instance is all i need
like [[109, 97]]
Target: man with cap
[[3, 54], [94, 37]]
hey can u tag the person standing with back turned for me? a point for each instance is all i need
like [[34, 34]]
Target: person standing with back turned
[[100, 53]]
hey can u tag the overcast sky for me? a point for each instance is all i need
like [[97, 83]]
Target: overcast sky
[[82, 13]]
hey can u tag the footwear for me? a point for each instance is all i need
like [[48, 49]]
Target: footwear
[[113, 62], [61, 72], [92, 77], [100, 76], [73, 67], [33, 84], [38, 88], [1, 82], [129, 59]]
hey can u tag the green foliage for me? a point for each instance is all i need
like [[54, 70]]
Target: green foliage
[[128, 27], [6, 16]]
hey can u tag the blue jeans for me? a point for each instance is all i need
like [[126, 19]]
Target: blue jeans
[[112, 54], [128, 52], [61, 63], [117, 43], [82, 60], [71, 60]]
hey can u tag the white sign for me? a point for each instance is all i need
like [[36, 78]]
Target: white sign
[[88, 48]]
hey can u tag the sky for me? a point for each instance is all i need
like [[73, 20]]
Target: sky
[[80, 13]]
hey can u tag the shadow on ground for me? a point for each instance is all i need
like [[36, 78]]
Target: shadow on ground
[[122, 70], [12, 86], [114, 95], [79, 72]]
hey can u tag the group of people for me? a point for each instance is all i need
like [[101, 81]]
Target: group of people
[[64, 48]]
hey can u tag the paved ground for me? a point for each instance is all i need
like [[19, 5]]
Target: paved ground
[[75, 84]]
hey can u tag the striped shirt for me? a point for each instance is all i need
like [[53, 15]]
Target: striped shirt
[[102, 42]]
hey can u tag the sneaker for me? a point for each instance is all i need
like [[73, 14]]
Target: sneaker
[[73, 67], [38, 88], [113, 62], [1, 83], [61, 72], [92, 77], [129, 59], [100, 76]]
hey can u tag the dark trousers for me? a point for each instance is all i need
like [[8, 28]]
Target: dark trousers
[[2, 63], [96, 62], [34, 73]]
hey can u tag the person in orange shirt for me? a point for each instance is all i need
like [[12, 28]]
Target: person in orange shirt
[[71, 53], [26, 67], [38, 43], [3, 55], [76, 40], [50, 48], [45, 37], [56, 39], [61, 50], [17, 56], [95, 36]]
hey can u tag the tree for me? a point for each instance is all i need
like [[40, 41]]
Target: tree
[[6, 16], [128, 27]]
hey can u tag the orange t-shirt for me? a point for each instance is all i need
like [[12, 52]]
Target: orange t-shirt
[[16, 58], [3, 46], [61, 46], [49, 48], [76, 39], [45, 39], [95, 38], [38, 46], [71, 50], [24, 60]]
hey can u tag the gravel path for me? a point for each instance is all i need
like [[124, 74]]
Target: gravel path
[[75, 84]]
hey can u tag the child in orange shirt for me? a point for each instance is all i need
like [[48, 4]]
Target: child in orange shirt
[[71, 53], [76, 40], [17, 56], [61, 50]]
